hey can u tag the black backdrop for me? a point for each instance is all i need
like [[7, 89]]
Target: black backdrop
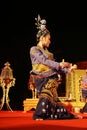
[[67, 24]]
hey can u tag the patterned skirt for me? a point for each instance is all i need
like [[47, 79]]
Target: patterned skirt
[[49, 106]]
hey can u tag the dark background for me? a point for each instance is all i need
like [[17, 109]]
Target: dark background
[[67, 24]]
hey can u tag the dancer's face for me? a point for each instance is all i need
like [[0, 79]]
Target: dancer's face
[[46, 40]]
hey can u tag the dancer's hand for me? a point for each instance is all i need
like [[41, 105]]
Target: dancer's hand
[[65, 64], [73, 67]]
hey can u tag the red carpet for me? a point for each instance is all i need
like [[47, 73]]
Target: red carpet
[[18, 120]]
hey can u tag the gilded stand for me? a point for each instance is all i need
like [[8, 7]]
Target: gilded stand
[[6, 81]]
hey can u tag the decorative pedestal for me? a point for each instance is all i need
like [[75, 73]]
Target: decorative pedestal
[[28, 104], [6, 82], [5, 98]]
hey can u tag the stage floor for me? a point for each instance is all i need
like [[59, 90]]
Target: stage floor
[[19, 120]]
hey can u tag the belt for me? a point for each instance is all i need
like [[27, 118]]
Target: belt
[[40, 76]]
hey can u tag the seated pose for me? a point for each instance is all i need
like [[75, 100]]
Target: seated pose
[[45, 74]]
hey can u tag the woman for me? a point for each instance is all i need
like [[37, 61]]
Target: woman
[[45, 76]]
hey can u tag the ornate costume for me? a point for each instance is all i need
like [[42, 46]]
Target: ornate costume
[[45, 74]]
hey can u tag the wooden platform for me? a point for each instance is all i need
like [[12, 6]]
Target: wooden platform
[[30, 103]]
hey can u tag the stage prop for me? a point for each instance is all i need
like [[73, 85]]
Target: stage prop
[[6, 82]]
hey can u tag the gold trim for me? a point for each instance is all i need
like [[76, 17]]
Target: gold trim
[[40, 68]]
